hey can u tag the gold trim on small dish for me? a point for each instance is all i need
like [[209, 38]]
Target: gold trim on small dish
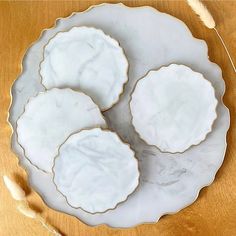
[[152, 145], [26, 169], [33, 97], [89, 27], [122, 141]]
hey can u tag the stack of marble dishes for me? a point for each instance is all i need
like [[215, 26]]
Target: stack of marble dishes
[[108, 134]]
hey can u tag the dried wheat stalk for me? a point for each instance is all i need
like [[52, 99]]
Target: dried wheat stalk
[[18, 194], [25, 209], [208, 20], [16, 191]]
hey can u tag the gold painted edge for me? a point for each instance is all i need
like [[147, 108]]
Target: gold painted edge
[[122, 142], [192, 145], [30, 100], [222, 95], [107, 35]]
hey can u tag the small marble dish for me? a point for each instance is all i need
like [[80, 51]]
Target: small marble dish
[[85, 58], [173, 108], [95, 170], [49, 118]]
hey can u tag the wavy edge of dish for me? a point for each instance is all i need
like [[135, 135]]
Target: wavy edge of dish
[[199, 140], [113, 39], [32, 98], [222, 95], [123, 142]]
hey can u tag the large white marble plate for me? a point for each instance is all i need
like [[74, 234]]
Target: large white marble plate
[[173, 108], [95, 170], [150, 39]]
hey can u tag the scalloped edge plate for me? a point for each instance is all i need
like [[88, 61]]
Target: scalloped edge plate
[[89, 89], [172, 120], [130, 165]]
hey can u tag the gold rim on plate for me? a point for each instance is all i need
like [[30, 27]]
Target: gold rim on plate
[[89, 27], [153, 145], [123, 142]]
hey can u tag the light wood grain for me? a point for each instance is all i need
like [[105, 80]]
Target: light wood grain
[[214, 213]]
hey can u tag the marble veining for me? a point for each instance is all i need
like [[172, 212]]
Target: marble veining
[[85, 58], [95, 171], [173, 108]]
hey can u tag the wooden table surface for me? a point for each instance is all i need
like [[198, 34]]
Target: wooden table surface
[[214, 213]]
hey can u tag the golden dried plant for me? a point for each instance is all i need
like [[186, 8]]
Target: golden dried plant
[[23, 207], [200, 9]]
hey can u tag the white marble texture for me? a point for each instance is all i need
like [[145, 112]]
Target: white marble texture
[[85, 58], [95, 170], [151, 39], [49, 118], [173, 108]]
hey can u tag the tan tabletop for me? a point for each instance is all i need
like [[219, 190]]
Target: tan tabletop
[[214, 213]]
